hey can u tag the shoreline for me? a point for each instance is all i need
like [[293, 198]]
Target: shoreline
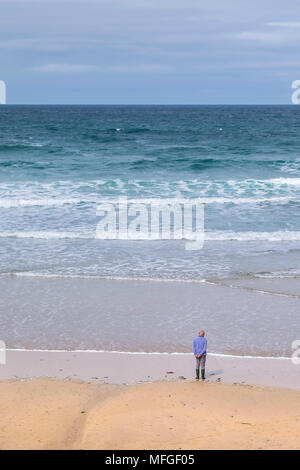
[[163, 353], [244, 283], [117, 368]]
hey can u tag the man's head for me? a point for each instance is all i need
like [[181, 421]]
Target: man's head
[[202, 333]]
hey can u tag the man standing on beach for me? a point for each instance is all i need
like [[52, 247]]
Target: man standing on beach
[[199, 349]]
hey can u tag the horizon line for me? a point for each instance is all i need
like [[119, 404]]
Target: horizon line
[[148, 104]]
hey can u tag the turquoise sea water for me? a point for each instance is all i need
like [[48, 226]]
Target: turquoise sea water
[[58, 162]]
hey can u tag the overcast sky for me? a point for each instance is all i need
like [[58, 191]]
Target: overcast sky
[[149, 51]]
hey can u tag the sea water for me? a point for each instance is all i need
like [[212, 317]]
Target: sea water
[[57, 163]]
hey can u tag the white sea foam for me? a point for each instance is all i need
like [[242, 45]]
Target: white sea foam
[[208, 236], [138, 353], [211, 200], [46, 202], [99, 277], [264, 188], [9, 203], [285, 182], [290, 274], [47, 235], [220, 283], [252, 236]]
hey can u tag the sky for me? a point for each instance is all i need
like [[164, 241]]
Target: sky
[[149, 51]]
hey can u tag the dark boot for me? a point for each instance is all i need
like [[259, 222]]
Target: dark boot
[[203, 374], [197, 374]]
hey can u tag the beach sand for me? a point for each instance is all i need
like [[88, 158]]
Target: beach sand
[[92, 400], [62, 414], [130, 368]]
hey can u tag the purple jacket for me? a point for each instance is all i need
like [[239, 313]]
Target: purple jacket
[[199, 346]]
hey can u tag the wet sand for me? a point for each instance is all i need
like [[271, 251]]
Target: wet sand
[[131, 368], [256, 319]]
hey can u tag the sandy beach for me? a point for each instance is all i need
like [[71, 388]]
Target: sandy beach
[[57, 414], [95, 400]]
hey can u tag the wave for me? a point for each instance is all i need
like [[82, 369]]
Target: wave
[[187, 184], [284, 274], [279, 236], [218, 283], [20, 146], [252, 192], [43, 235], [46, 202], [285, 182], [203, 200], [23, 163], [104, 277], [253, 236], [137, 130], [255, 289], [10, 203]]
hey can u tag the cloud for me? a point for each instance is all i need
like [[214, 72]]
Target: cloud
[[132, 4], [84, 68], [252, 64], [284, 24], [37, 44], [141, 68], [183, 46], [66, 68], [271, 38], [273, 33]]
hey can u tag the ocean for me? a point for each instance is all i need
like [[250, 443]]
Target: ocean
[[58, 162]]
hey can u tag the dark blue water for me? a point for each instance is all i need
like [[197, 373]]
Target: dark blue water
[[58, 162]]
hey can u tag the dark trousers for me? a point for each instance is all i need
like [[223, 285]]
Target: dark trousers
[[200, 364]]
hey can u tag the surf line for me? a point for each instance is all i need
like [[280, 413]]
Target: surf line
[[252, 289]]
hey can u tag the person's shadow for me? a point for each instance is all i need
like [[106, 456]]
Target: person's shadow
[[212, 373]]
